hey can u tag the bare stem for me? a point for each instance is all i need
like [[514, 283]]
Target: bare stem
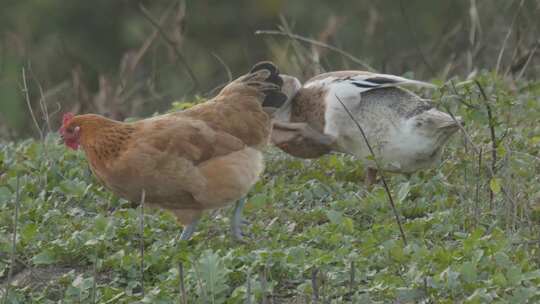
[[317, 43], [352, 279], [141, 247], [529, 58], [183, 294], [94, 283], [477, 194], [379, 168], [264, 283], [314, 285], [225, 66], [414, 38], [29, 105], [505, 41], [491, 124], [13, 239], [171, 43], [248, 288]]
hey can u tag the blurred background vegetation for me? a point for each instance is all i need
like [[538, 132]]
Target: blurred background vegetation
[[133, 58]]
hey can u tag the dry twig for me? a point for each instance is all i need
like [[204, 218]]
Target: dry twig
[[316, 43], [183, 294], [491, 125], [171, 43], [141, 247], [13, 239], [29, 105], [314, 286], [505, 41], [529, 58]]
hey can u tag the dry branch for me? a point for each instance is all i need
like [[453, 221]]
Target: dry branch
[[314, 286], [529, 58], [183, 294], [169, 41], [316, 43], [491, 125], [505, 41], [14, 238], [141, 247], [225, 66], [29, 105], [414, 38]]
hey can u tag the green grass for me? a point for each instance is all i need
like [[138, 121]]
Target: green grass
[[77, 242]]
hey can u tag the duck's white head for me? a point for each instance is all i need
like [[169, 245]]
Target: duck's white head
[[428, 131]]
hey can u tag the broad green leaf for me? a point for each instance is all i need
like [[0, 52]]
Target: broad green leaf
[[91, 242], [409, 295], [514, 275], [403, 192], [468, 272], [258, 201], [502, 260], [5, 195], [532, 275], [348, 224], [535, 140], [29, 231], [499, 279], [495, 185], [45, 257], [334, 217], [212, 276]]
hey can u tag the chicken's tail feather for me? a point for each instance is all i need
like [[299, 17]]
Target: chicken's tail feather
[[264, 77]]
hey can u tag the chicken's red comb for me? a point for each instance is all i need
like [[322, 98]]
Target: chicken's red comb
[[67, 117]]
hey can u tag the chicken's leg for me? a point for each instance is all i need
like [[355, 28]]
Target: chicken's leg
[[189, 230], [237, 221], [189, 218]]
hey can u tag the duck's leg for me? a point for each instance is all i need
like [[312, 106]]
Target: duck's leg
[[237, 221], [371, 177]]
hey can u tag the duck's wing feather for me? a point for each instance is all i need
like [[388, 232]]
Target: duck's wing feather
[[365, 81]]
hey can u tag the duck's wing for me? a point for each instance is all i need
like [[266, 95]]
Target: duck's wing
[[364, 81]]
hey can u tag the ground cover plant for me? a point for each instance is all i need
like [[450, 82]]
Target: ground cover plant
[[317, 235]]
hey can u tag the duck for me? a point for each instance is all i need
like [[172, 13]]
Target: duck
[[329, 112]]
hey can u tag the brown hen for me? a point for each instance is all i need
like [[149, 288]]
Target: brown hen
[[202, 158]]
